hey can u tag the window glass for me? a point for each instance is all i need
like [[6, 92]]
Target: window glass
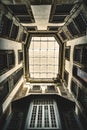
[[43, 57]]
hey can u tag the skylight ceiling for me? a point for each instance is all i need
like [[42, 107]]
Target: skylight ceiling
[[43, 58]]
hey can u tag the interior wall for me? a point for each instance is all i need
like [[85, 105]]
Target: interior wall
[[10, 45], [69, 64]]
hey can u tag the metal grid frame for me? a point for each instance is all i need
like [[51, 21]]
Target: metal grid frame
[[43, 57], [43, 114]]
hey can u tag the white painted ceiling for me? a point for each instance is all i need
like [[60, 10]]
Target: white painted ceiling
[[41, 15]]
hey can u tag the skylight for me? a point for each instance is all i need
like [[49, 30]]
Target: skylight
[[43, 57]]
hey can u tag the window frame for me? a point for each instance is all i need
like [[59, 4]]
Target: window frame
[[47, 57], [20, 56], [66, 77], [67, 48], [8, 65]]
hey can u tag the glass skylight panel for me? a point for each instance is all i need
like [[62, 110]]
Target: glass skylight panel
[[43, 54]]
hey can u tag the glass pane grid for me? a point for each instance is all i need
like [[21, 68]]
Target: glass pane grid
[[43, 115], [43, 52], [46, 116], [53, 120], [32, 123]]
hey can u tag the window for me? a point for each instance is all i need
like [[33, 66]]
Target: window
[[20, 56], [16, 120], [7, 60], [17, 75], [81, 23], [77, 54], [62, 34], [11, 82], [80, 74], [24, 37], [51, 89], [43, 114], [3, 61], [36, 87], [43, 57], [14, 31], [82, 98], [72, 29], [8, 85], [4, 90], [84, 55], [11, 59], [66, 75], [67, 52], [74, 88], [5, 26], [80, 54]]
